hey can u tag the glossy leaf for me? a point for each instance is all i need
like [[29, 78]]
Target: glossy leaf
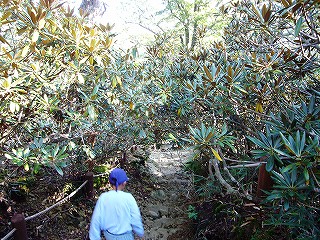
[[58, 169], [298, 26], [270, 163], [92, 112]]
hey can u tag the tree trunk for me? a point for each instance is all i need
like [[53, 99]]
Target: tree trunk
[[195, 27], [187, 35], [265, 181]]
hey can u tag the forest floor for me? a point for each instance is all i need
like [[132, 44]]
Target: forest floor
[[161, 188], [165, 207]]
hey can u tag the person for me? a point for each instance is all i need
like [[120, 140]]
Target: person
[[116, 212]]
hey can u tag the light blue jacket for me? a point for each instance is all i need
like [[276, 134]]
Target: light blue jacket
[[116, 212]]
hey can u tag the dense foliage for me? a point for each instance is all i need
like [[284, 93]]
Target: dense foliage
[[60, 85], [68, 98]]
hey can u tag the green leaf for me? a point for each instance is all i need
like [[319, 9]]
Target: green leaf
[[259, 153], [193, 132], [171, 136], [279, 178], [36, 168], [287, 143], [257, 142], [58, 169], [142, 134], [239, 87], [63, 149], [298, 27], [96, 89], [18, 161], [62, 156], [302, 143], [266, 141], [16, 152], [8, 156], [92, 112], [274, 196], [311, 105], [313, 144], [294, 175], [270, 163], [113, 82], [44, 151], [63, 164], [26, 152], [282, 153], [203, 131], [287, 178], [92, 154], [55, 151], [26, 167], [224, 130], [288, 168], [293, 144]]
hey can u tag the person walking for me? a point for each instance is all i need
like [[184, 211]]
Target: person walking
[[116, 212]]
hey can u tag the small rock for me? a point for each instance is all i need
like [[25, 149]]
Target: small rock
[[154, 214], [158, 194], [162, 210]]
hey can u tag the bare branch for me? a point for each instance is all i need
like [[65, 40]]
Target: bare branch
[[223, 182], [246, 165], [145, 27]]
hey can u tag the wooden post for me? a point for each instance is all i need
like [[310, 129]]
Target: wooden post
[[89, 185], [265, 181], [19, 223], [123, 159]]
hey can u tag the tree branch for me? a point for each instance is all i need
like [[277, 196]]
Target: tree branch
[[214, 162]]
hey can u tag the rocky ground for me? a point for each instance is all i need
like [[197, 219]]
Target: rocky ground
[[161, 187], [165, 211]]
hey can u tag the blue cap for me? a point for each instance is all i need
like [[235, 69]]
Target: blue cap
[[117, 177]]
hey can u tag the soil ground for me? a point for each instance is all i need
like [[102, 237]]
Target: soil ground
[[161, 188]]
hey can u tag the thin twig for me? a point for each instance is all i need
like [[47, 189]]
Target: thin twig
[[56, 204], [247, 165]]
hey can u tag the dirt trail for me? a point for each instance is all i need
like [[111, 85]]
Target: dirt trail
[[162, 190], [165, 211]]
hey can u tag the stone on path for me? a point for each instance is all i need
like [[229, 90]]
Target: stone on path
[[165, 212]]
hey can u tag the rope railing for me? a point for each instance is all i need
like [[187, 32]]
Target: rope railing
[[9, 234], [56, 204], [19, 222], [101, 174]]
